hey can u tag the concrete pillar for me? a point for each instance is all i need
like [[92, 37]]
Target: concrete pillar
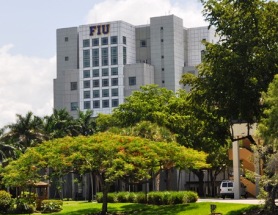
[[236, 168]]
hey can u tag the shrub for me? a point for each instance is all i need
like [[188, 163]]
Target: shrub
[[22, 206], [5, 200], [111, 198], [155, 198], [189, 197], [141, 198], [49, 206], [123, 197]]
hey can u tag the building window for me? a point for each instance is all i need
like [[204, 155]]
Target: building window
[[95, 83], [104, 56], [95, 72], [124, 40], [105, 82], [86, 74], [73, 85], [105, 72], [124, 55], [66, 58], [95, 42], [105, 93], [162, 40], [95, 57], [86, 84], [87, 105], [114, 71], [115, 102], [162, 69], [114, 82], [87, 94], [95, 93], [143, 43], [115, 92], [114, 55], [86, 43], [104, 41], [73, 106], [203, 53], [86, 58], [105, 103], [96, 104], [161, 28], [162, 56], [114, 40], [66, 39], [132, 81]]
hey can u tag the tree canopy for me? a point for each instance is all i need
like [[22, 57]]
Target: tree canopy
[[111, 157], [240, 66]]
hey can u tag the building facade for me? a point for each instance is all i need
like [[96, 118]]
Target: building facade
[[100, 64]]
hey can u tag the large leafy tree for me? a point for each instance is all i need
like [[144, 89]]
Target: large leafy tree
[[192, 124], [268, 129], [241, 65], [112, 157]]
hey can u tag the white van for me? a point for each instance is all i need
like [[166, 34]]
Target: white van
[[227, 189]]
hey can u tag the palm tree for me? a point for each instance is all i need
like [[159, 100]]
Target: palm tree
[[85, 124], [59, 124], [26, 132]]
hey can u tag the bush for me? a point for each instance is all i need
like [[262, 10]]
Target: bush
[[155, 198], [111, 198], [190, 196], [22, 206], [123, 197], [49, 206], [5, 200], [141, 198]]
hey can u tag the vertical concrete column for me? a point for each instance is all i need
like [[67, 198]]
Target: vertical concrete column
[[236, 168]]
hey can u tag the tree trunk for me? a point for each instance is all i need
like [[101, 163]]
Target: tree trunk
[[200, 175], [105, 189], [270, 200]]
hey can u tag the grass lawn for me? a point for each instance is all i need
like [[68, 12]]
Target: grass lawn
[[203, 208]]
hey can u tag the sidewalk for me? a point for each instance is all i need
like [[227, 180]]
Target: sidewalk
[[241, 201]]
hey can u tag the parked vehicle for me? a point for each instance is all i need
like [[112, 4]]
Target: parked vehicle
[[227, 189]]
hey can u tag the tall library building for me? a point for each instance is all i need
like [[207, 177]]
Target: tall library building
[[100, 64]]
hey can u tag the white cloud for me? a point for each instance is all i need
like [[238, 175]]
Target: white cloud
[[26, 84], [138, 12]]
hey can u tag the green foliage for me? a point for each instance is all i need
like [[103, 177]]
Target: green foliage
[[155, 198], [5, 200], [22, 205], [239, 68], [50, 206]]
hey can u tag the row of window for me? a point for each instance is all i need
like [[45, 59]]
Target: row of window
[[105, 83], [96, 72], [104, 93], [103, 41], [104, 57], [95, 104]]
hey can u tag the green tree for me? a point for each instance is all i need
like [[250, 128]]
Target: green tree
[[59, 124], [193, 125], [241, 65], [268, 130], [112, 157], [85, 124], [26, 132]]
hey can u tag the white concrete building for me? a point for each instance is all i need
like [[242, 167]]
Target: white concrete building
[[99, 64]]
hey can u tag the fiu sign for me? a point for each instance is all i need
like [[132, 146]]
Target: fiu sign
[[99, 29]]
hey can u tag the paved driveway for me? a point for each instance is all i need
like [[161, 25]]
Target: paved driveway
[[241, 201]]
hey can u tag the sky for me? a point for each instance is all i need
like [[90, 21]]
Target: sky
[[28, 42]]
